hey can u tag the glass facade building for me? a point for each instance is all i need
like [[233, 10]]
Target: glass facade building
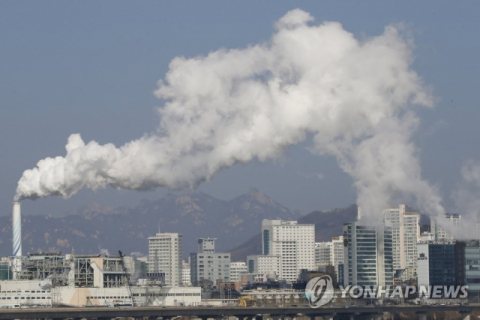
[[472, 267], [368, 256], [443, 263]]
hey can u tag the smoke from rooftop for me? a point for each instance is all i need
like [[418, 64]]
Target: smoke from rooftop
[[355, 97]]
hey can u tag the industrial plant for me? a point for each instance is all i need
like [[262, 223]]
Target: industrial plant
[[52, 279]]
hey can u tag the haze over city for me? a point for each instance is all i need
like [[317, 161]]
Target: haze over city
[[98, 76]]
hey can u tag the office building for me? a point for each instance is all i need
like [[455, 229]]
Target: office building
[[262, 264], [368, 256], [472, 267], [165, 257], [293, 242], [427, 236], [442, 263], [237, 269], [405, 235], [323, 254], [329, 253], [186, 278], [337, 254], [451, 220], [208, 265], [206, 245]]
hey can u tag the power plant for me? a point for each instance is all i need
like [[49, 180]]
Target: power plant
[[51, 279]]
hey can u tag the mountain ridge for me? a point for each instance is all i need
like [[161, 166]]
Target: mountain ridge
[[93, 228]]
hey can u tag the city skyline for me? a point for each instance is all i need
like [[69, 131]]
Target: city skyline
[[197, 160]]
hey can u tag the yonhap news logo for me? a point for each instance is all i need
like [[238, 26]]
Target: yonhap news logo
[[319, 291]]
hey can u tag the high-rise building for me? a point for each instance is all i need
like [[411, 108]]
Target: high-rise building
[[405, 235], [206, 245], [337, 254], [472, 267], [186, 278], [452, 219], [237, 269], [293, 242], [263, 264], [368, 255], [442, 263], [329, 253], [208, 264], [427, 236], [165, 257], [323, 254]]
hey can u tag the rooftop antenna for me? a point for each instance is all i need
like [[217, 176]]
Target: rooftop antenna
[[158, 226]]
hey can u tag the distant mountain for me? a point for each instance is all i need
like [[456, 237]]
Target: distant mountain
[[94, 228], [327, 223]]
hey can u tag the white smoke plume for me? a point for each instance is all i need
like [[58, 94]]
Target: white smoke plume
[[355, 97], [467, 202]]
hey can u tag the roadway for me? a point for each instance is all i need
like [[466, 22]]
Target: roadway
[[214, 312]]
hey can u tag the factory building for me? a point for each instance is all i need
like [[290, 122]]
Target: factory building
[[86, 280], [6, 271]]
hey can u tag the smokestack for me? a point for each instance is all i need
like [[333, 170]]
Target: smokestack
[[17, 229]]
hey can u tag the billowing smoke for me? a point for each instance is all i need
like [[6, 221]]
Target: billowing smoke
[[354, 97], [467, 201]]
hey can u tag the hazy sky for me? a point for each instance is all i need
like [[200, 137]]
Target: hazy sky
[[92, 67]]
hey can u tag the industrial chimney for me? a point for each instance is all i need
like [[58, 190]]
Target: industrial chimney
[[17, 229], [17, 240]]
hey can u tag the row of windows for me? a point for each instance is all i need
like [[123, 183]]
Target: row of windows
[[27, 291], [176, 294], [25, 298]]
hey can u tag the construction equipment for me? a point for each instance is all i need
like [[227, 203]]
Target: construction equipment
[[127, 276], [247, 301]]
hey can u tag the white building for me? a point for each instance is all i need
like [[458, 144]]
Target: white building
[[329, 253], [452, 219], [186, 281], [427, 236], [405, 235], [262, 264], [294, 243], [323, 254], [237, 269], [165, 257], [368, 255], [337, 253], [206, 245], [208, 264]]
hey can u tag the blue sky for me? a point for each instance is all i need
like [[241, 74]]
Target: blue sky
[[91, 68]]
